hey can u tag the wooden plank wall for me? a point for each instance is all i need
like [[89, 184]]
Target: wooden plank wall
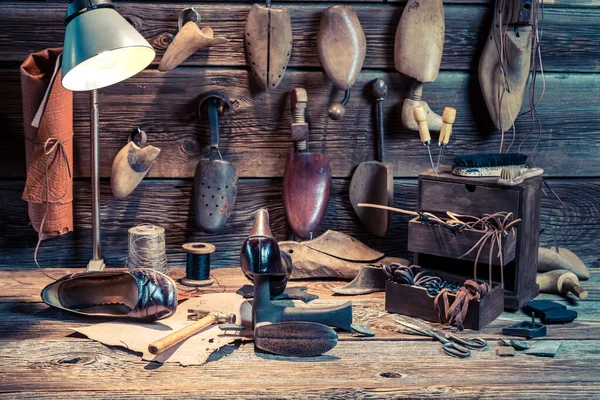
[[256, 137]]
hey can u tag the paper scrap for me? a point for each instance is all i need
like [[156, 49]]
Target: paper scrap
[[196, 350]]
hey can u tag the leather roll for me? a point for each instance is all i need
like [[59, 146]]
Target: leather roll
[[54, 135]]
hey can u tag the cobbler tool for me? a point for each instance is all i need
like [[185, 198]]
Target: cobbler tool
[[215, 181], [342, 47], [370, 279], [373, 181], [141, 294], [451, 344], [307, 176], [484, 165], [515, 344], [418, 54], [268, 43], [189, 39], [504, 65], [448, 118], [197, 266], [264, 263], [553, 258], [526, 329], [514, 175], [203, 319], [295, 339], [544, 348], [550, 312], [561, 281], [420, 116], [131, 164], [290, 293]]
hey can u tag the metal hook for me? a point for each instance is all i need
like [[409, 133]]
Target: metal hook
[[138, 136], [186, 15]]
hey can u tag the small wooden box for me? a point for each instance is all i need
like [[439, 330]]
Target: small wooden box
[[478, 196], [415, 302], [439, 241]]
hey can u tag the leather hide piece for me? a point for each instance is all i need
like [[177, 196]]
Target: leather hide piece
[[56, 123], [332, 255]]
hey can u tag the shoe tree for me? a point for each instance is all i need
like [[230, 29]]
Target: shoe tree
[[131, 164], [188, 40], [268, 43], [561, 281], [504, 95], [418, 54], [342, 47], [549, 260]]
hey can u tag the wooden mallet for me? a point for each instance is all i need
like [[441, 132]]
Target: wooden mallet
[[203, 319]]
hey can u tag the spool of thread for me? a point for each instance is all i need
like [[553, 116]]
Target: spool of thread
[[197, 267], [147, 248]]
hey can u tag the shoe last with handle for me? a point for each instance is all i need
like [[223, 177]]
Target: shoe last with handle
[[141, 294]]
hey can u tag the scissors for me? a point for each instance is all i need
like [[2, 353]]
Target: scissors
[[452, 345]]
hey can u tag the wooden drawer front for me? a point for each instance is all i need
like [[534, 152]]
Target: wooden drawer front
[[439, 241], [440, 197]]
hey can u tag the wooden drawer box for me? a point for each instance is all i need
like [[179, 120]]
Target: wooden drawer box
[[478, 196], [415, 302], [439, 241]]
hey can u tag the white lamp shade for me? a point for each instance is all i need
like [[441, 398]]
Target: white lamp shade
[[101, 48]]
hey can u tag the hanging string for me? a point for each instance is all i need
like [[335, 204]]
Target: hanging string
[[147, 248]]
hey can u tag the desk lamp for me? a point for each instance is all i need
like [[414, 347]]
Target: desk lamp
[[101, 48]]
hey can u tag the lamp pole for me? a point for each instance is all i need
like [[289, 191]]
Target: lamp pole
[[96, 263]]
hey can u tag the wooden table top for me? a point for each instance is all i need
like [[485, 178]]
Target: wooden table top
[[41, 357]]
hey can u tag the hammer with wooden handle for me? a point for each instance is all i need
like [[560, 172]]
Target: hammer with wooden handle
[[203, 319]]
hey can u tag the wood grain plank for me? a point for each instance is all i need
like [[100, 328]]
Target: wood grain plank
[[256, 138], [50, 366], [455, 391], [167, 203], [565, 29]]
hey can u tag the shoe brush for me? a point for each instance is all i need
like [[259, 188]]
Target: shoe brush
[[514, 175]]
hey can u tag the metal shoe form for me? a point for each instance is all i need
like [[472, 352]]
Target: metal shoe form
[[342, 47], [268, 43], [262, 259], [189, 39], [307, 176], [373, 181], [503, 84], [215, 181], [418, 54]]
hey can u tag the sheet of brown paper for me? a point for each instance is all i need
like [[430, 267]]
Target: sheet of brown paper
[[196, 350]]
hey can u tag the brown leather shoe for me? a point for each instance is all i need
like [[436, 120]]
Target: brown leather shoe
[[141, 293]]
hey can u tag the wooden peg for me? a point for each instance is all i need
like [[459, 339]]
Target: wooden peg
[[561, 281], [420, 116], [298, 100]]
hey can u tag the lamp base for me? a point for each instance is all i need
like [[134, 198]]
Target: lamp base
[[95, 265]]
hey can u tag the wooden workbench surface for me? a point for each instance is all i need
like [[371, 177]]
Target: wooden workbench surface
[[41, 357]]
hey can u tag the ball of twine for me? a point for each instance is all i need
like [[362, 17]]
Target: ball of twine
[[147, 248]]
